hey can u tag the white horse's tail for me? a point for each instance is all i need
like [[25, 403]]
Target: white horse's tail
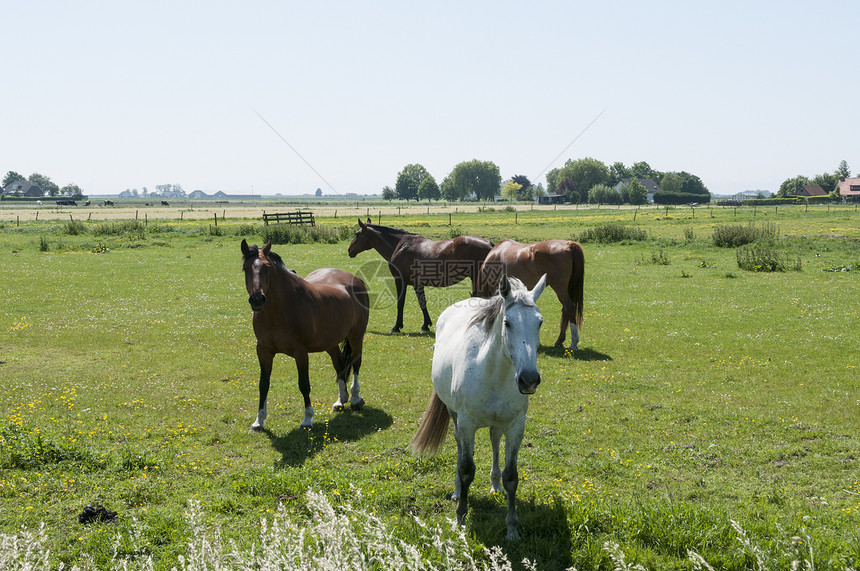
[[434, 426]]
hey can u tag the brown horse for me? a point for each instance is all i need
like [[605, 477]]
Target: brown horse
[[418, 261], [299, 316], [563, 262]]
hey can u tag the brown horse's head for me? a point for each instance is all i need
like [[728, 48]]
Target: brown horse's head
[[257, 266], [361, 242]]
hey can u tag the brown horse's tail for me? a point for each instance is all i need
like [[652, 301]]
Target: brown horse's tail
[[577, 282], [346, 360], [434, 426]]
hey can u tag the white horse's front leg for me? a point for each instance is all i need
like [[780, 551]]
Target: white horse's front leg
[[496, 472], [465, 465], [261, 418], [574, 337], [456, 494], [510, 477], [343, 396], [356, 402], [308, 422]]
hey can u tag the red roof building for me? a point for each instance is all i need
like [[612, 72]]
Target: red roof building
[[849, 188]]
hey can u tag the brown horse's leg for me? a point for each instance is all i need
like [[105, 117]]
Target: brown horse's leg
[[305, 388], [265, 358], [563, 333], [356, 402], [422, 303], [337, 360], [400, 285]]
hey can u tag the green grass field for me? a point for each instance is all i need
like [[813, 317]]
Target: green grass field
[[703, 395]]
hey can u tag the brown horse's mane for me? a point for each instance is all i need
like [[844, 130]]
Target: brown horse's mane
[[389, 230]]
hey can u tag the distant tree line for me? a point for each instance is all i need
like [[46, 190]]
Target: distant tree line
[[161, 191], [579, 181], [827, 181], [49, 187]]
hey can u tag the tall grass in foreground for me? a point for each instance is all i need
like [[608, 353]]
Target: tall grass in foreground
[[737, 235], [346, 538], [288, 234], [609, 233], [766, 260]]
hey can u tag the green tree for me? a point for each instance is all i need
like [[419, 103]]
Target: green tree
[[11, 177], [448, 190], [552, 181], [72, 191], [527, 189], [643, 170], [570, 189], [511, 190], [603, 194], [827, 181], [408, 181], [791, 186], [480, 178], [45, 183], [672, 182], [843, 171], [636, 192], [691, 184], [585, 173], [429, 190], [616, 172], [388, 193]]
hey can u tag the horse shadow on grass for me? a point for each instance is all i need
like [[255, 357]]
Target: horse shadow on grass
[[583, 354], [406, 334], [544, 529], [299, 444]]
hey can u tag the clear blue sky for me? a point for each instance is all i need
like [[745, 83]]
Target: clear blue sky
[[117, 95]]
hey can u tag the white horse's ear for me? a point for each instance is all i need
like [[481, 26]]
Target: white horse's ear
[[538, 289]]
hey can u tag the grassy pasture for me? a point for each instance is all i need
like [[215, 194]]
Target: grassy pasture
[[703, 394]]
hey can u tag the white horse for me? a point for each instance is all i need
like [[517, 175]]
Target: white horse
[[484, 368]]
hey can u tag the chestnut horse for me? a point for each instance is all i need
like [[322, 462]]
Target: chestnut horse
[[418, 261], [563, 262], [299, 316]]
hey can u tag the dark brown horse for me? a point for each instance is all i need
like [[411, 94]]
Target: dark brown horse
[[418, 261], [563, 262], [299, 316]]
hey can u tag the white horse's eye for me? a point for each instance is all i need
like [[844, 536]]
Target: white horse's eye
[[507, 323]]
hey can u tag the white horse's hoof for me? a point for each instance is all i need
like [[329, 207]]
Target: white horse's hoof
[[357, 405], [337, 407], [513, 535], [256, 428]]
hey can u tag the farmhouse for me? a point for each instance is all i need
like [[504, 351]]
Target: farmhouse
[[849, 188], [812, 190], [23, 188], [648, 183]]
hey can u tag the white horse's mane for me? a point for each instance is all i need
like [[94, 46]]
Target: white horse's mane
[[487, 313]]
